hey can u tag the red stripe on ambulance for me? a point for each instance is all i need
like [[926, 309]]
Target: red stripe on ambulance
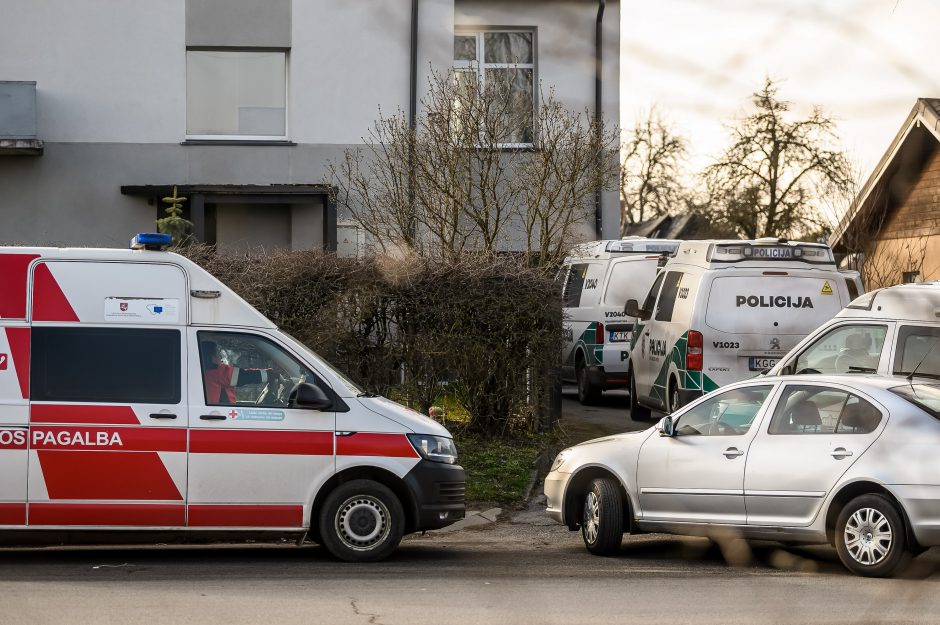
[[18, 339], [12, 514], [13, 284], [107, 439], [106, 475], [365, 444], [260, 442], [69, 413], [49, 302], [80, 514], [260, 515]]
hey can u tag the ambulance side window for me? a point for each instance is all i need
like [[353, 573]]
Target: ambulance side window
[[105, 365], [844, 349], [574, 286], [646, 311], [667, 299], [247, 369]]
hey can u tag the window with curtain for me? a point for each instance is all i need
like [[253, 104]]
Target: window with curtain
[[506, 59]]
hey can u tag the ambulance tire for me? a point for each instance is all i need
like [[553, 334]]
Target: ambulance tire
[[361, 521], [637, 412]]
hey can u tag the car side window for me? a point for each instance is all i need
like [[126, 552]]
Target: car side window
[[246, 369], [646, 311], [844, 349], [730, 413], [667, 299], [918, 349], [822, 410], [574, 286]]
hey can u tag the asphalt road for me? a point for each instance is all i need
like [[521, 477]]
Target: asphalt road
[[519, 571], [523, 569]]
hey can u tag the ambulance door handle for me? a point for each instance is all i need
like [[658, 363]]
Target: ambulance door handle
[[162, 415], [212, 417]]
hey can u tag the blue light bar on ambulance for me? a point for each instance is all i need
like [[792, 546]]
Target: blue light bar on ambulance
[[747, 250], [151, 241], [644, 247]]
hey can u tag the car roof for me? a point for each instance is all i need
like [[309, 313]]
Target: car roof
[[908, 302], [858, 380]]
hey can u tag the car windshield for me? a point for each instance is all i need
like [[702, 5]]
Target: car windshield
[[924, 396]]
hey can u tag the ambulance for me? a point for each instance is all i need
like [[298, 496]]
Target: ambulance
[[723, 311], [140, 394], [889, 331], [596, 280]]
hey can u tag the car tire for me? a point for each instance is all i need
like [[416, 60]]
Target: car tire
[[870, 537], [361, 521], [588, 394], [675, 399], [602, 518], [637, 412]]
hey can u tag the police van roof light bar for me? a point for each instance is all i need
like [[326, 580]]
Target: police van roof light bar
[[152, 241]]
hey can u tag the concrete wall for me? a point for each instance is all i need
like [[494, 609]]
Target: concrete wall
[[111, 95]]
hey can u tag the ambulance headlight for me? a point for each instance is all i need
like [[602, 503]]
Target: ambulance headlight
[[434, 448]]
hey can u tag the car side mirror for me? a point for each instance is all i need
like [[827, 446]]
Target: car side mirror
[[665, 426], [309, 396], [632, 308]]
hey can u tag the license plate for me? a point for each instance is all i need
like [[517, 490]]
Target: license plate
[[619, 336], [760, 364]]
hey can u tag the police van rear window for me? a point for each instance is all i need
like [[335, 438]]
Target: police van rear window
[[106, 365]]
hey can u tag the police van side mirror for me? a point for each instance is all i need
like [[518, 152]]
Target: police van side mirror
[[309, 396], [632, 308]]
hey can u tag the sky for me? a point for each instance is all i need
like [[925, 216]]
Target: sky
[[697, 61]]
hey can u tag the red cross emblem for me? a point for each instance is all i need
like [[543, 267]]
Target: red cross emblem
[[233, 414]]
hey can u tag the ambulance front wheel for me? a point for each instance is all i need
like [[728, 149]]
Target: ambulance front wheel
[[361, 521]]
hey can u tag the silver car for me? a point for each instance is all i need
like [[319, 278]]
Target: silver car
[[847, 460]]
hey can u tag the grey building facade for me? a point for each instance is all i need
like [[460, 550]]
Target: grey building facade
[[241, 104]]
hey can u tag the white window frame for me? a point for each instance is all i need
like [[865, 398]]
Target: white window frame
[[243, 138], [480, 66]]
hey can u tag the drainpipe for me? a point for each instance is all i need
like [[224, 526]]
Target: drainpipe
[[598, 107], [413, 112]]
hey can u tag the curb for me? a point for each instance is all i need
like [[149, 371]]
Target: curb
[[473, 519]]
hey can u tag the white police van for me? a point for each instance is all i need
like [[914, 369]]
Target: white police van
[[140, 394], [891, 331], [596, 281], [723, 311]]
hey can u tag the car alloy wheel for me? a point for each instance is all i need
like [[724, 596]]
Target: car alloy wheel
[[868, 536], [591, 518]]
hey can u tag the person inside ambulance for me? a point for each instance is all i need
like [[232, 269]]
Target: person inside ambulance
[[220, 378]]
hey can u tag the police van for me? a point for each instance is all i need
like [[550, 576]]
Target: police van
[[891, 331], [723, 311], [596, 281], [138, 394]]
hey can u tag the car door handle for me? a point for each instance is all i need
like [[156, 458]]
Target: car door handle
[[732, 452], [840, 452], [162, 415], [213, 417]]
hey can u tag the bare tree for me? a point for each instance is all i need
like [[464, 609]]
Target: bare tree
[[483, 170], [775, 173], [651, 174]]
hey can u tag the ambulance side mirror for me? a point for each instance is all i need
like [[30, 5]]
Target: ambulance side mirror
[[309, 396], [632, 308]]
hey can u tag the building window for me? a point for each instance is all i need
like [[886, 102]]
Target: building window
[[236, 95], [505, 58], [910, 277]]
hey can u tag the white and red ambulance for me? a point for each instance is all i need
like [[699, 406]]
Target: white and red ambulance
[[139, 393]]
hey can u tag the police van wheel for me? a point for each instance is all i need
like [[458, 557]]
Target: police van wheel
[[361, 521], [588, 394], [675, 399], [637, 412]]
